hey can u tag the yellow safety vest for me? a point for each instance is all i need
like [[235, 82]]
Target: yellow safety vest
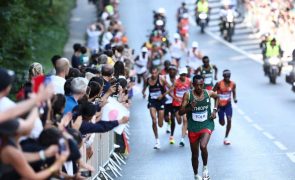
[[203, 7], [272, 51]]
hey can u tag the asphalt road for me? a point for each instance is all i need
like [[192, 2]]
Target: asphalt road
[[263, 138]]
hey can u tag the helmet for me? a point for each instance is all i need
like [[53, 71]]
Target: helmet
[[159, 23], [161, 11], [176, 36], [195, 44], [144, 49], [185, 15]]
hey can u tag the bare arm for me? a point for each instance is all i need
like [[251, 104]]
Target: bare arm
[[145, 85], [216, 87], [24, 106], [49, 152], [235, 94], [16, 159], [184, 108], [26, 126], [215, 71]]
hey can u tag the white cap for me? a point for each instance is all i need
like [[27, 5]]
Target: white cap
[[195, 44], [159, 23], [144, 49], [182, 70], [176, 36], [185, 15], [161, 11]]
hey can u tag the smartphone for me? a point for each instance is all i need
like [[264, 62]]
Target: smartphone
[[62, 147], [86, 173]]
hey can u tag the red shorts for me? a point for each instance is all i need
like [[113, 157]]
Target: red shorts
[[194, 136], [209, 88]]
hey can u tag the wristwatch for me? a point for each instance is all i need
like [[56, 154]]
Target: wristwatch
[[42, 155], [215, 109]]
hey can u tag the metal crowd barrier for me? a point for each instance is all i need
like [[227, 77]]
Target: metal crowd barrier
[[104, 159]]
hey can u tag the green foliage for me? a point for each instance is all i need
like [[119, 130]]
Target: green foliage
[[32, 30]]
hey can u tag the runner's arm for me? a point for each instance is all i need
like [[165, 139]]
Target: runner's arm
[[235, 94], [216, 71], [184, 108], [215, 96], [198, 70], [216, 87], [145, 85]]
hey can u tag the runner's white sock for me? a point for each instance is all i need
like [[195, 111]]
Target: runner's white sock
[[157, 141]]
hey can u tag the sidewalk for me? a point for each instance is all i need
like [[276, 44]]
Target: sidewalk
[[82, 15]]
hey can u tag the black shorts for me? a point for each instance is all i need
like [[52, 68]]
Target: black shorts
[[168, 109], [176, 108], [158, 105]]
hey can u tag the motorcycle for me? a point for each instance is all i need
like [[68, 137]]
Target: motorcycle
[[272, 67], [290, 78], [160, 41], [203, 18], [228, 27]]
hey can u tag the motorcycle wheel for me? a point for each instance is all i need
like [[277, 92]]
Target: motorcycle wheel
[[202, 28]]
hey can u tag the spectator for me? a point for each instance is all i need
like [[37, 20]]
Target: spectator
[[62, 69], [78, 90], [76, 56], [93, 33]]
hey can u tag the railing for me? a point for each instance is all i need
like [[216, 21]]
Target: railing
[[104, 159]]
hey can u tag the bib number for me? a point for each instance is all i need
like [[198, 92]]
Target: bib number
[[200, 116], [208, 80], [155, 95]]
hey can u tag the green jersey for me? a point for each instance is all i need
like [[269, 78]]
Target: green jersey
[[199, 117], [208, 76]]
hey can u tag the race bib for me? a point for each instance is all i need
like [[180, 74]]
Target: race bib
[[156, 62], [200, 116], [155, 95], [208, 80], [224, 96], [180, 93]]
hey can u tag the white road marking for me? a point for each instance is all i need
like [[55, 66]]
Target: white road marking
[[240, 111], [248, 119], [280, 145], [269, 136], [291, 156], [256, 126]]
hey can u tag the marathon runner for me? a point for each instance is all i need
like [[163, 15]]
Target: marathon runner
[[225, 89], [156, 100], [196, 105], [194, 56], [177, 48], [206, 70], [181, 86], [169, 111]]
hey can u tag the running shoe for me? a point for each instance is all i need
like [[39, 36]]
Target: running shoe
[[157, 145], [226, 141], [171, 140], [168, 128], [205, 174], [181, 144], [197, 177]]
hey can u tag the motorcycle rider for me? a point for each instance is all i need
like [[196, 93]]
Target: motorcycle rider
[[177, 48], [273, 49], [180, 11], [202, 7], [183, 28], [141, 65], [160, 14], [227, 14]]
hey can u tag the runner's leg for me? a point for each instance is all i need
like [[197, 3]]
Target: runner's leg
[[153, 113], [160, 118], [195, 155], [203, 146]]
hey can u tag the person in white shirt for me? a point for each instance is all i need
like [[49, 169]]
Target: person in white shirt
[[177, 49], [62, 70], [194, 56], [93, 34]]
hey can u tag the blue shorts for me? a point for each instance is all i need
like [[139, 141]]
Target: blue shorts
[[225, 110]]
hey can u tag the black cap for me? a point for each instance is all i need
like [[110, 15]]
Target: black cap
[[7, 78], [9, 127]]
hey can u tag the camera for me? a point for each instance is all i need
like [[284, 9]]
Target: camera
[[132, 79], [86, 173]]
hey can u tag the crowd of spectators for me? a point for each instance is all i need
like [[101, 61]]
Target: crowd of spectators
[[275, 17], [56, 114]]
